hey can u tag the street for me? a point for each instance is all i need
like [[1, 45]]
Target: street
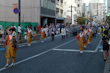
[[56, 57]]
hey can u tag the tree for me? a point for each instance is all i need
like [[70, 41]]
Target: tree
[[108, 20], [81, 20]]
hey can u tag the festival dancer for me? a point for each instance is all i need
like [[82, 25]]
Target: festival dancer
[[80, 38], [11, 48], [29, 36], [42, 34], [90, 35]]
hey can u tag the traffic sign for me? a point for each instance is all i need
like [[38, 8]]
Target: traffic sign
[[16, 10]]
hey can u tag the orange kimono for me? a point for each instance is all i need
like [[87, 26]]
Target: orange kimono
[[29, 35], [80, 38], [90, 35]]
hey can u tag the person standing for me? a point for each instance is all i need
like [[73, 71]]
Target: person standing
[[105, 40], [80, 38], [42, 34], [13, 26], [1, 36], [11, 50], [63, 32], [34, 29], [29, 36], [25, 32], [53, 33], [19, 32], [38, 28]]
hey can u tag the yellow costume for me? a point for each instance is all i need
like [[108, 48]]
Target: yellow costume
[[10, 51], [80, 41], [90, 35], [102, 32], [42, 35], [29, 35], [86, 38]]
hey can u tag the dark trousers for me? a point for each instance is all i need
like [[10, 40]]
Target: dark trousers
[[67, 35], [63, 37], [52, 37]]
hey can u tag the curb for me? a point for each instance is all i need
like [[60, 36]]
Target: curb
[[107, 65]]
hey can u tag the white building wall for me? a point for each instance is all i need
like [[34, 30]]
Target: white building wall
[[72, 2], [30, 11]]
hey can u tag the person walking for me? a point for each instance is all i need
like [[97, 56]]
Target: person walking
[[53, 33], [42, 34], [29, 36], [105, 40], [86, 36], [80, 38], [11, 50], [63, 32], [90, 35]]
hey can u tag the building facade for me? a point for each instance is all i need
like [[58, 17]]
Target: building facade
[[30, 11], [79, 8], [48, 12], [60, 11]]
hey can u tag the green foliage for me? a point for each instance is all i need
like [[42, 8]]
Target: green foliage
[[108, 20], [81, 20]]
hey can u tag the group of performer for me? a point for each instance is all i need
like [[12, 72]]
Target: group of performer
[[84, 38]]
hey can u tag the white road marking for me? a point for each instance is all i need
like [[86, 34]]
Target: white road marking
[[101, 50], [73, 50], [97, 46], [33, 42], [4, 68], [21, 45]]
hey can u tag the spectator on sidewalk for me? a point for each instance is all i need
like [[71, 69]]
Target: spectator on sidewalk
[[6, 32], [34, 29], [38, 28], [63, 32], [13, 26], [1, 36], [19, 32], [105, 40], [25, 32]]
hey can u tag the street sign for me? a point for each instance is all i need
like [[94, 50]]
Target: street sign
[[16, 10]]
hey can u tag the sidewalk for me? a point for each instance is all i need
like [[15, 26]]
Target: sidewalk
[[107, 65]]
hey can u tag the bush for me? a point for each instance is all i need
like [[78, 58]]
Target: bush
[[81, 20]]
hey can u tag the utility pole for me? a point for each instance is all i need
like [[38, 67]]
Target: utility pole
[[19, 16], [71, 12]]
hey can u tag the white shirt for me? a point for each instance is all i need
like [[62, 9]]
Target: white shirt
[[14, 27], [19, 29]]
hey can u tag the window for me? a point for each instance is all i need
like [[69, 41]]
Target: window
[[75, 1], [64, 13], [65, 3], [78, 5], [74, 8], [41, 3]]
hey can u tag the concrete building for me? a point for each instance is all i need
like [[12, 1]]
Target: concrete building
[[96, 9], [79, 8], [108, 6], [30, 11], [63, 11], [60, 11], [48, 12]]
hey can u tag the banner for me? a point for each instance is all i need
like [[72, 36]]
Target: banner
[[15, 5]]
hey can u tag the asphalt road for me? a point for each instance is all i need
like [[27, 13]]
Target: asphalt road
[[56, 57]]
